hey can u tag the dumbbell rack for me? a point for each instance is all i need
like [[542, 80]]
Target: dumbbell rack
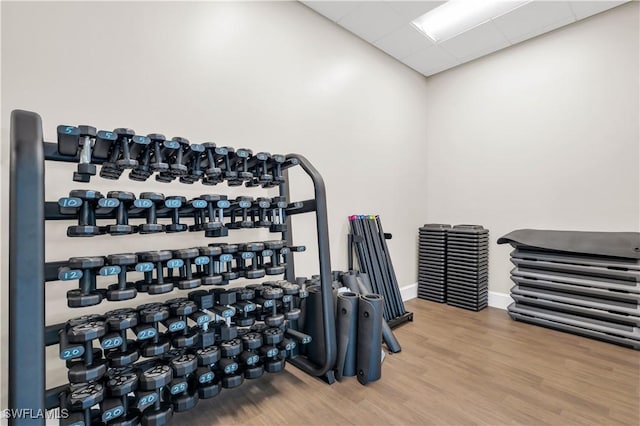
[[28, 272]]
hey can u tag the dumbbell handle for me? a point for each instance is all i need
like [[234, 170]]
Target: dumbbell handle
[[85, 153], [297, 335]]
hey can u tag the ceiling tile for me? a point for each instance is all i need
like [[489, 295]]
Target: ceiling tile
[[372, 20], [483, 39], [403, 42], [533, 19], [410, 10], [333, 10], [430, 60], [584, 9]]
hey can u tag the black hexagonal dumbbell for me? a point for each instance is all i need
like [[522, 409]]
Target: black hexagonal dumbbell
[[204, 301], [212, 173], [269, 302], [120, 351], [156, 285], [158, 163], [126, 140], [240, 213], [72, 351], [224, 311], [213, 224], [181, 335], [244, 307], [278, 214], [186, 280], [119, 157], [258, 165], [68, 139], [155, 411], [182, 395], [122, 290], [198, 208], [84, 203], [224, 262], [249, 359], [83, 269], [88, 368], [115, 408], [151, 201], [239, 163], [79, 399], [173, 205], [275, 267], [192, 158], [275, 169], [273, 362], [206, 271], [167, 156], [223, 160], [150, 315], [122, 226], [140, 151], [176, 166], [208, 384], [249, 252], [228, 365], [262, 207]]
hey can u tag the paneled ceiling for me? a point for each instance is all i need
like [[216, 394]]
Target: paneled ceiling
[[387, 25]]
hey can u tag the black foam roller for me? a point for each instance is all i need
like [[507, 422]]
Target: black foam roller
[[349, 281], [347, 325], [369, 363], [313, 325]]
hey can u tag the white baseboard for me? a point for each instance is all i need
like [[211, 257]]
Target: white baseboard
[[496, 300]]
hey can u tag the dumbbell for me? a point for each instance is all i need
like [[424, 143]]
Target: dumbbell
[[275, 267], [178, 392], [208, 384], [224, 262], [250, 358], [239, 163], [212, 173], [151, 226], [240, 207], [84, 202], [119, 155], [142, 154], [223, 159], [216, 204], [223, 310], [82, 269], [275, 169], [70, 139], [115, 410], [199, 209], [244, 307], [181, 335], [174, 204], [272, 361], [262, 205], [167, 156], [176, 167], [189, 257], [290, 290], [204, 301], [120, 351], [79, 399], [209, 275], [126, 139], [69, 351], [228, 365], [192, 158], [273, 319], [149, 284], [249, 251], [150, 316], [260, 170], [154, 410], [122, 227], [278, 214], [158, 163], [87, 369]]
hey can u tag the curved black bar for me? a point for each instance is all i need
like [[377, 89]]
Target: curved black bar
[[324, 257], [26, 268]]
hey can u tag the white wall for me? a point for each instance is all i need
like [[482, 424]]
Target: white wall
[[268, 76], [544, 134]]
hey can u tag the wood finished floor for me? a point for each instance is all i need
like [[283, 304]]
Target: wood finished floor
[[456, 368]]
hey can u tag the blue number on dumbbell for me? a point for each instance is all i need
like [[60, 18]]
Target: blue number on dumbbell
[[250, 307], [144, 267], [284, 250], [69, 129], [253, 359], [147, 400], [248, 255], [171, 144], [287, 298], [245, 204], [224, 204], [290, 346], [226, 258], [268, 303], [66, 274], [175, 263], [201, 260], [70, 202], [267, 253], [264, 204], [143, 203], [199, 204], [108, 202], [112, 414], [141, 139], [111, 343], [71, 353], [203, 319], [105, 271], [107, 135], [173, 203], [178, 388], [272, 352], [205, 378], [147, 334], [228, 313], [231, 368], [175, 326]]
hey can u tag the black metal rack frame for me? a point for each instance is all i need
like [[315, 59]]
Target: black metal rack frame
[[28, 273]]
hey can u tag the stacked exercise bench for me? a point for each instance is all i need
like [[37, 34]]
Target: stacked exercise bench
[[585, 283], [140, 364]]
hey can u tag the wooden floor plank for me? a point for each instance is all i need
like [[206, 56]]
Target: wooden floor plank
[[457, 367]]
